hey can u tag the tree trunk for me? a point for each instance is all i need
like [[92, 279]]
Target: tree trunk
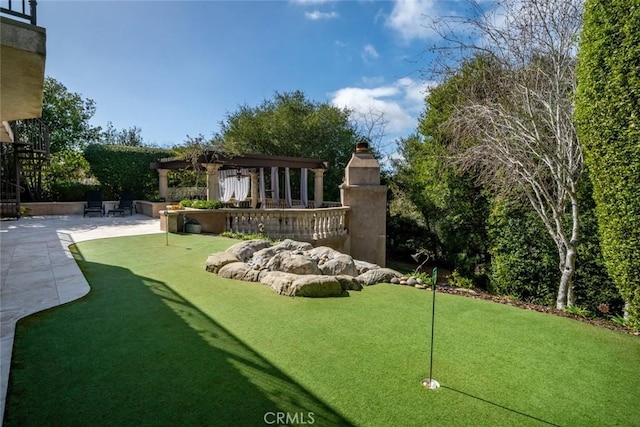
[[565, 289], [568, 254]]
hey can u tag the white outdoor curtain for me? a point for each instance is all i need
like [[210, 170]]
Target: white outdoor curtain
[[242, 185], [263, 192], [304, 196], [275, 185], [230, 184], [225, 183], [287, 187]]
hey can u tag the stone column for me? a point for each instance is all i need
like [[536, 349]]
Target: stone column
[[213, 189], [318, 194], [367, 200], [255, 189], [163, 184]]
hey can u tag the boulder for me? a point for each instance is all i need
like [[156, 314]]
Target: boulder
[[380, 275], [323, 252], [263, 256], [252, 275], [296, 268], [340, 264], [245, 250], [292, 245], [289, 263], [363, 266], [315, 286], [349, 283], [278, 281], [235, 270], [216, 261]]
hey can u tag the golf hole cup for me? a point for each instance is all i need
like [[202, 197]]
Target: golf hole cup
[[430, 383]]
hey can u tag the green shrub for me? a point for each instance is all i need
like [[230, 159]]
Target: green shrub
[[242, 236], [125, 168], [460, 281], [524, 258], [69, 191], [578, 311], [406, 237], [592, 284], [154, 197], [201, 204]]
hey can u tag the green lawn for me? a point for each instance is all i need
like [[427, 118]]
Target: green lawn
[[159, 341]]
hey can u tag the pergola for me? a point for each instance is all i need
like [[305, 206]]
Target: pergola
[[213, 162]]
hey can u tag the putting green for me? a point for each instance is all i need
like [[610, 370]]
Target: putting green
[[159, 341]]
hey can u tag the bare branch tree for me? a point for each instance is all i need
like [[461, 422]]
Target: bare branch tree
[[524, 138], [372, 125]]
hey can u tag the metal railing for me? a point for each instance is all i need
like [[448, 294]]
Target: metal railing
[[32, 132], [19, 10]]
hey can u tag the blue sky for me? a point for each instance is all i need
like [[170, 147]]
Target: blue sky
[[176, 68]]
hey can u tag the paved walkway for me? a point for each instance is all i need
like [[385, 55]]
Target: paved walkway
[[38, 272]]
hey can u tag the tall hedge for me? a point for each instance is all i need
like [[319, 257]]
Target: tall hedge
[[608, 118], [524, 258], [125, 168]]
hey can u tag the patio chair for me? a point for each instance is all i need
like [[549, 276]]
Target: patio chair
[[126, 202], [94, 203]]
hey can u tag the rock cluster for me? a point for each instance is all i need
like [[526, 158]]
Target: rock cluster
[[297, 268]]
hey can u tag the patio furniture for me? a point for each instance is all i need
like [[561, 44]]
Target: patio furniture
[[94, 203], [114, 211], [126, 203]]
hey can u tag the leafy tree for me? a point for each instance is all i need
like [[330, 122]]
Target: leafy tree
[[193, 149], [292, 125], [129, 136], [67, 116], [523, 136], [410, 217], [450, 207], [608, 116]]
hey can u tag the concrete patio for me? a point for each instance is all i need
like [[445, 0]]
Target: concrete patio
[[38, 271]]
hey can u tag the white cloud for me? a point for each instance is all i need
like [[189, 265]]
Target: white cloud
[[414, 93], [400, 102], [410, 18], [369, 52], [317, 15]]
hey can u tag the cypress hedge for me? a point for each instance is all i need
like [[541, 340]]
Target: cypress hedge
[[608, 119]]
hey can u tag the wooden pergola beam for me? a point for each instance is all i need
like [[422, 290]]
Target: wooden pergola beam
[[228, 161]]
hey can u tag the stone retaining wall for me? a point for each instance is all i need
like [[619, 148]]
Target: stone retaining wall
[[151, 209]]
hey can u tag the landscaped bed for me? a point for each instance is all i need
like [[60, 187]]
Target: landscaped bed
[[160, 341]]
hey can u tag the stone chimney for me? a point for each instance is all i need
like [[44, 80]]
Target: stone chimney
[[366, 220]]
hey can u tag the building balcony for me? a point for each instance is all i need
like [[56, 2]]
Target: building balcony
[[22, 63]]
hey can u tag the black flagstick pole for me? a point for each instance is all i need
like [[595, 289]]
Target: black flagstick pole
[[166, 224], [433, 317], [430, 382]]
